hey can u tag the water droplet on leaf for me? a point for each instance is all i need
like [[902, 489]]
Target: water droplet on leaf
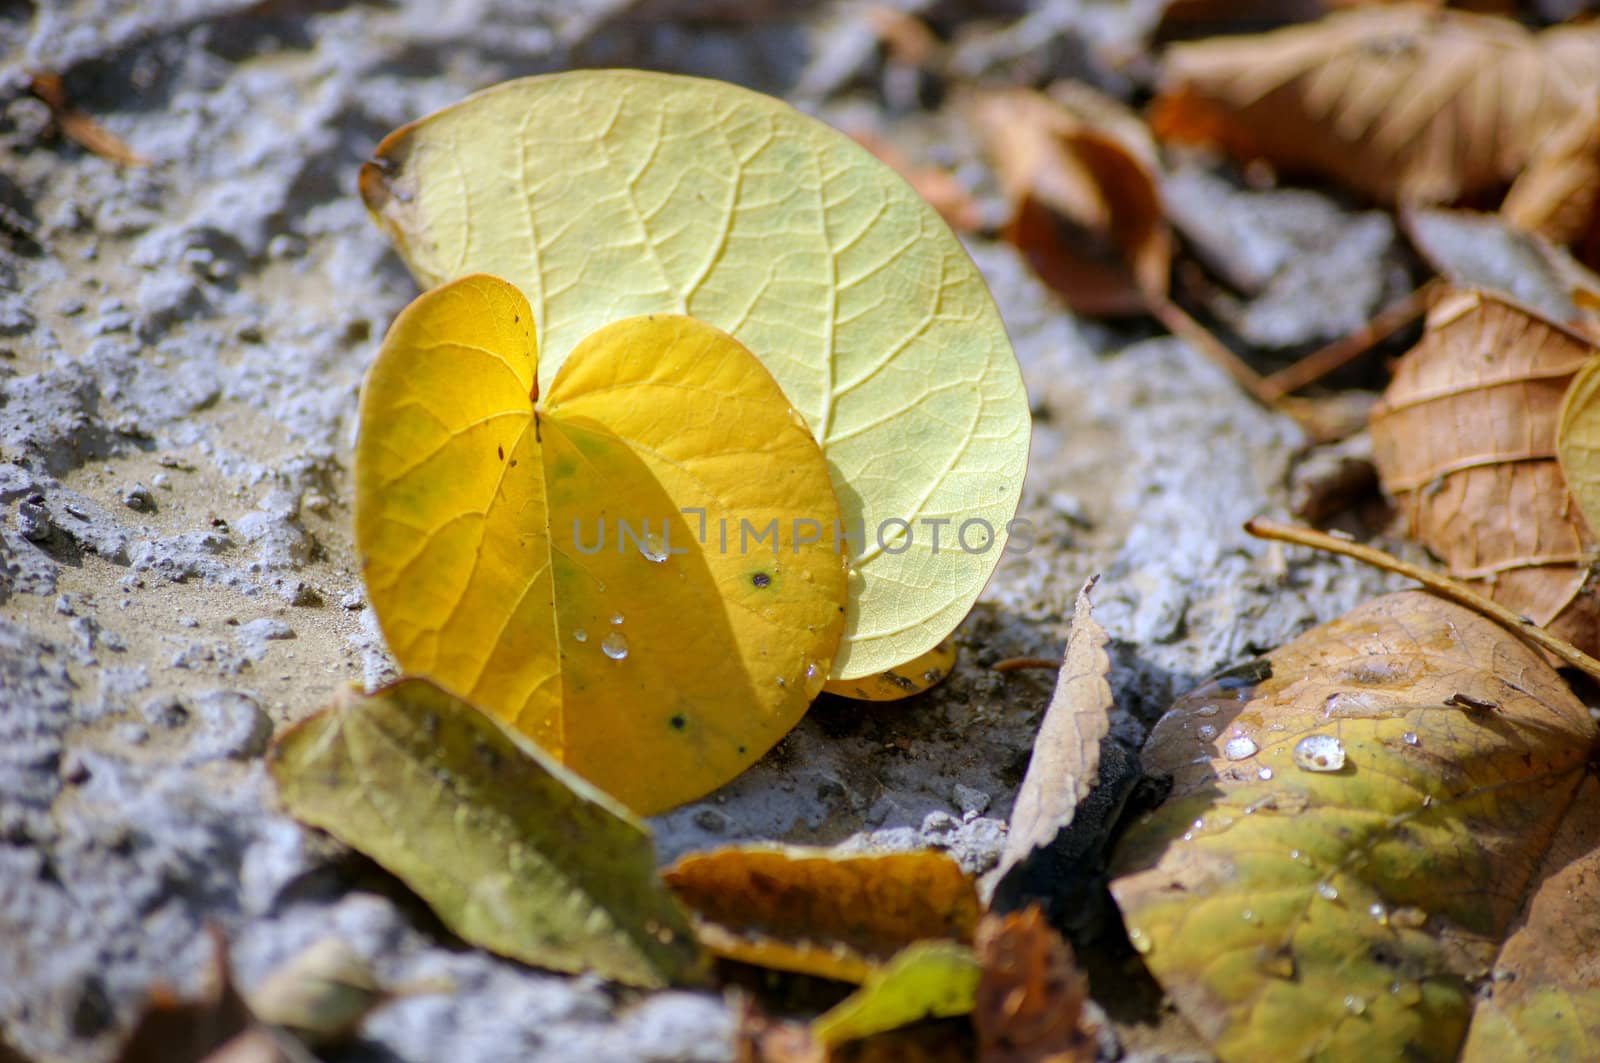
[[654, 549], [1264, 774], [1327, 891], [1410, 738], [1241, 748], [580, 635], [615, 645], [1205, 732], [1319, 753]]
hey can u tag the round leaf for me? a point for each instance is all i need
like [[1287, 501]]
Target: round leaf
[[532, 554], [603, 194]]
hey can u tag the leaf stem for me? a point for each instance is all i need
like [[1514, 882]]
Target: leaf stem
[[1319, 363], [1443, 586]]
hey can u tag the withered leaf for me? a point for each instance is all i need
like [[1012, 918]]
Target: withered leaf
[[321, 994], [1030, 994], [1558, 195], [1542, 1000], [817, 911], [1465, 443], [1346, 849], [1402, 103], [90, 135], [1085, 208], [1066, 751], [512, 851]]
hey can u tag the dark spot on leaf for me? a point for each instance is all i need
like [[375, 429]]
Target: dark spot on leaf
[[761, 579], [678, 722], [741, 749], [513, 463], [501, 451]]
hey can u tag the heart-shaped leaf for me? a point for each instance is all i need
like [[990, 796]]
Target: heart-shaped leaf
[[618, 566], [605, 194]]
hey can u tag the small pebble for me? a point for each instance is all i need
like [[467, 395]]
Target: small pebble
[[137, 497]]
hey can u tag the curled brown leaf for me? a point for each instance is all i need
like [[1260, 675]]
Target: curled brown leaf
[[1030, 994], [1085, 208], [1402, 103], [1465, 443]]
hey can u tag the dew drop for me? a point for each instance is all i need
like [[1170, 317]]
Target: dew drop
[[580, 635], [615, 645], [1205, 732], [1240, 748], [1139, 940], [1354, 1004], [1206, 710], [1248, 915], [782, 682], [1327, 891], [1264, 774], [1319, 753], [811, 670], [601, 587], [1199, 824], [1410, 738], [616, 618], [1379, 912], [654, 549]]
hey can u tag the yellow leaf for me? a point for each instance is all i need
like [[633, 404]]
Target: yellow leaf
[[603, 194], [1352, 835], [1578, 441], [533, 556], [903, 680], [927, 980], [816, 911]]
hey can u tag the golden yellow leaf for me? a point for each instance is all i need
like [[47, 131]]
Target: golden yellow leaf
[[530, 551], [1350, 840], [605, 194], [816, 911], [1578, 442], [1402, 103], [902, 681]]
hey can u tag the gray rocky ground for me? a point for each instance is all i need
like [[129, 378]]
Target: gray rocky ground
[[180, 351]]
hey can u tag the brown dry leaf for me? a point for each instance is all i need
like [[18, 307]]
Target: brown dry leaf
[[1543, 996], [938, 186], [1066, 751], [73, 123], [1353, 840], [815, 911], [1558, 195], [1030, 994], [1465, 443], [1402, 103], [1085, 209]]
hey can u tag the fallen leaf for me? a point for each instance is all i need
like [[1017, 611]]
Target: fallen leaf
[[1029, 1004], [1086, 212], [1066, 752], [1578, 443], [617, 564], [1401, 103], [321, 994], [1349, 840], [603, 194], [821, 912], [1465, 443], [938, 186], [1542, 1000], [51, 89], [901, 681], [1473, 250], [1558, 195], [926, 980], [512, 852]]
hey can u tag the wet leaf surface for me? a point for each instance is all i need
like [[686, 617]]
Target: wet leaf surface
[[538, 552], [1337, 887], [820, 912], [511, 851]]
